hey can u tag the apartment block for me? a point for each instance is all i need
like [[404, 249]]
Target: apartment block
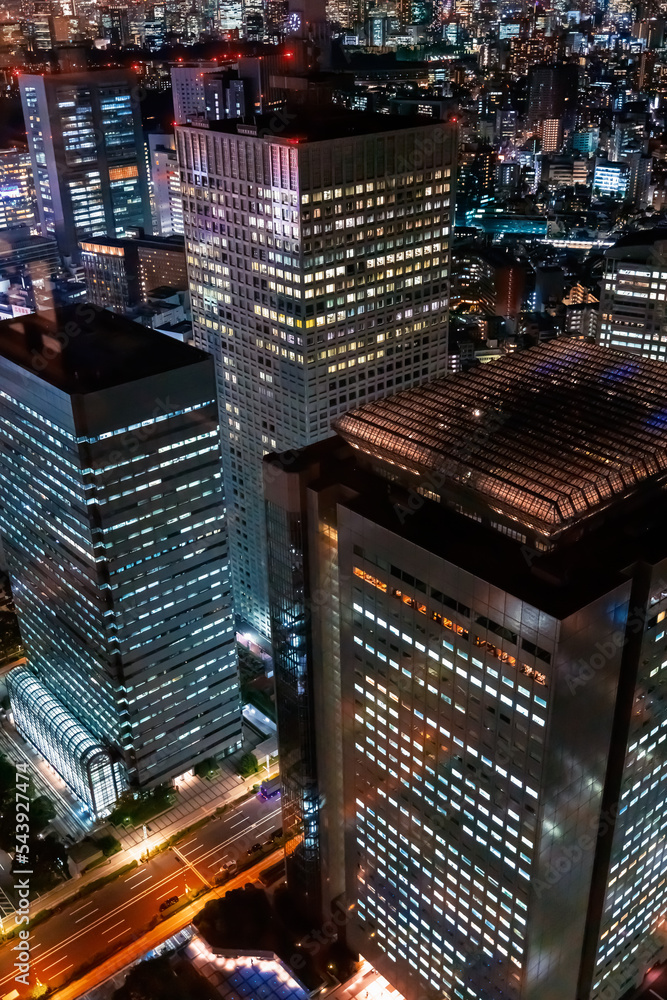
[[633, 310]]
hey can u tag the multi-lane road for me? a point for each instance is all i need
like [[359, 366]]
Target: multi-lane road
[[122, 910]]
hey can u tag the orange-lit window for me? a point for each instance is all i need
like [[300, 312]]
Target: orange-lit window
[[373, 580], [123, 173]]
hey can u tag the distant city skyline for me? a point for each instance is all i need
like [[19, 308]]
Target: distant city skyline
[[332, 437]]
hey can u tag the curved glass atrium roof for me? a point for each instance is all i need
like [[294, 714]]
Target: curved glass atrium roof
[[547, 436]]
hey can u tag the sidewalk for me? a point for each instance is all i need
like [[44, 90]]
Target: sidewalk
[[197, 797]]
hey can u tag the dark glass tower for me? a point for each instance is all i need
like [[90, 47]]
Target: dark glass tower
[[86, 144], [114, 530]]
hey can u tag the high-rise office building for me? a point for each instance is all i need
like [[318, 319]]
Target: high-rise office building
[[318, 258], [468, 605], [86, 142], [633, 297], [121, 274], [552, 90], [165, 185], [115, 25], [610, 180], [113, 525], [187, 90], [18, 204]]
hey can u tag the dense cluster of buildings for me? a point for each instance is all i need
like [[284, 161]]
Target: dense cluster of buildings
[[361, 357]]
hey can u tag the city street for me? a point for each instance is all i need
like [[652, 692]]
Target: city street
[[654, 986], [123, 910]]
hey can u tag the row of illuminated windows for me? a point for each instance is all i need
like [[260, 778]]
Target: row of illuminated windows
[[480, 760], [437, 595], [475, 679], [454, 867], [150, 513], [452, 626], [145, 423], [224, 626], [497, 841], [39, 417]]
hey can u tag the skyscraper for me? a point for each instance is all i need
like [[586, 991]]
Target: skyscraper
[[86, 142], [468, 602], [318, 257], [113, 526], [633, 297], [165, 185], [187, 89], [17, 190]]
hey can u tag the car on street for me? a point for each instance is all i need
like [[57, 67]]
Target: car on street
[[255, 849]]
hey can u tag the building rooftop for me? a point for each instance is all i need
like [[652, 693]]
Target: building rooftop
[[99, 349], [15, 241], [642, 245], [315, 125], [546, 438], [174, 244]]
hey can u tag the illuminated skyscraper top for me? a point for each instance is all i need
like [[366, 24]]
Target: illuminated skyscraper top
[[468, 603], [318, 259]]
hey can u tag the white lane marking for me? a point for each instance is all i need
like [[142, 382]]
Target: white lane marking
[[143, 882], [105, 929], [120, 934], [136, 875], [57, 963], [79, 908], [86, 915], [197, 845], [656, 995]]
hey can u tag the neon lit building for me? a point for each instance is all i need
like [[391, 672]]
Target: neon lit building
[[468, 602], [318, 259], [86, 145], [114, 531]]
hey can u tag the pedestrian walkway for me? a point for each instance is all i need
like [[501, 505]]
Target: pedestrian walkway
[[72, 819], [201, 795]]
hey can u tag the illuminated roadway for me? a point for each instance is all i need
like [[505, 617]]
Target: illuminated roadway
[[121, 911]]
